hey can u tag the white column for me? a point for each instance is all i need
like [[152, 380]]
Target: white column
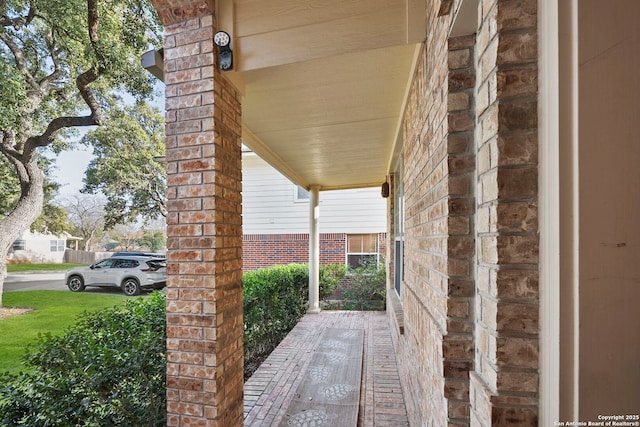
[[314, 249]]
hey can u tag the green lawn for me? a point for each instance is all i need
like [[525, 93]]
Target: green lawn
[[19, 268], [54, 312]]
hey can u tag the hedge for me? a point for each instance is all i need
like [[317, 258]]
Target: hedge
[[109, 369]]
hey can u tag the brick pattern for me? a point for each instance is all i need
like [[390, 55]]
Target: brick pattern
[[271, 388], [504, 385], [458, 343], [204, 229], [176, 11], [267, 250], [427, 225], [469, 353]]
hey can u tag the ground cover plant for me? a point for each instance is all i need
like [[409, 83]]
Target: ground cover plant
[[109, 369]]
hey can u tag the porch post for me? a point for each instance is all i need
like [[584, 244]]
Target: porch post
[[314, 249], [204, 224]]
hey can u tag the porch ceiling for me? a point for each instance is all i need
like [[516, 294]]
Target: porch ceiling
[[324, 83]]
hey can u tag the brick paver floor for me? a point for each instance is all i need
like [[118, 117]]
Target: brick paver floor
[[268, 392]]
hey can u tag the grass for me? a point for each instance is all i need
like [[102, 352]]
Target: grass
[[54, 312], [19, 268]]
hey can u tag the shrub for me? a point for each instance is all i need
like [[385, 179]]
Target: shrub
[[365, 288], [108, 369], [330, 277], [275, 299]]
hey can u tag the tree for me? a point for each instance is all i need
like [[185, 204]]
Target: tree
[[86, 214], [53, 218], [127, 167], [61, 61], [154, 240], [126, 235]]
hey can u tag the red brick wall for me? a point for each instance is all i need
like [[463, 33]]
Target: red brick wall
[[204, 225], [266, 250]]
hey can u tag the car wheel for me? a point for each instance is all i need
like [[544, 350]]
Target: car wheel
[[75, 284], [131, 287]]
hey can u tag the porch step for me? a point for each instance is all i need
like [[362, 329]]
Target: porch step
[[329, 393]]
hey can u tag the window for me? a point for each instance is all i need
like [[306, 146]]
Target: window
[[398, 226], [300, 194], [105, 263], [57, 245], [125, 263], [19, 245], [362, 249]]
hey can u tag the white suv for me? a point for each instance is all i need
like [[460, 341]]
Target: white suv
[[130, 273]]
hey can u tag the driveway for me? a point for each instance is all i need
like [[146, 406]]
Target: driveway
[[48, 281], [35, 281]]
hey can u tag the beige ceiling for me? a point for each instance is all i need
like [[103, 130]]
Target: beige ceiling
[[324, 83]]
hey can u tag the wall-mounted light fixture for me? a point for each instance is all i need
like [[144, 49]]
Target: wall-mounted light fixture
[[225, 56], [384, 190]]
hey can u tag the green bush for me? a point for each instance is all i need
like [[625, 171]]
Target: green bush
[[109, 369], [365, 288], [275, 299]]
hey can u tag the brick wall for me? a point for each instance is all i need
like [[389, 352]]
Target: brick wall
[[458, 343], [504, 389], [468, 350], [204, 225], [266, 250], [424, 291]]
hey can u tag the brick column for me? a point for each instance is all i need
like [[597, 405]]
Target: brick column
[[204, 226], [458, 343], [504, 385]]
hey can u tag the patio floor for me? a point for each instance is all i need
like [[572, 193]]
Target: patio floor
[[273, 386]]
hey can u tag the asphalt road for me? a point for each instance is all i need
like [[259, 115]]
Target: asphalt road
[[35, 281], [47, 281]]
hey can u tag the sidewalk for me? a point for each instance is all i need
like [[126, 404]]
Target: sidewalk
[[272, 387]]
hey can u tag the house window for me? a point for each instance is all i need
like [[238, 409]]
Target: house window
[[300, 194], [19, 245], [398, 226], [362, 250], [57, 245]]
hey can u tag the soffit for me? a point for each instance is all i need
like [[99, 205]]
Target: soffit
[[324, 83]]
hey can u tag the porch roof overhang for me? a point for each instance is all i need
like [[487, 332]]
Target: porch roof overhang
[[324, 83]]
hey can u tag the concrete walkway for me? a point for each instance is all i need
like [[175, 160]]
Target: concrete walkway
[[272, 387]]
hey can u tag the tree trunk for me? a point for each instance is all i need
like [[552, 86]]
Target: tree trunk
[[23, 215]]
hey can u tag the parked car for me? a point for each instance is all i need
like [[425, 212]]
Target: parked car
[[138, 253], [130, 273]]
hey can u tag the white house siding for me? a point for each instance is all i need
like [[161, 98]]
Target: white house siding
[[38, 248], [269, 206]]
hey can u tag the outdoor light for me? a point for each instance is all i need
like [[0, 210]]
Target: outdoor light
[[225, 58], [385, 189]]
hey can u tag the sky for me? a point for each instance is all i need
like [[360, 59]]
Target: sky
[[71, 166]]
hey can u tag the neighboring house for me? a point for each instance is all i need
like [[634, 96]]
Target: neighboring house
[[276, 220], [34, 246], [509, 132]]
